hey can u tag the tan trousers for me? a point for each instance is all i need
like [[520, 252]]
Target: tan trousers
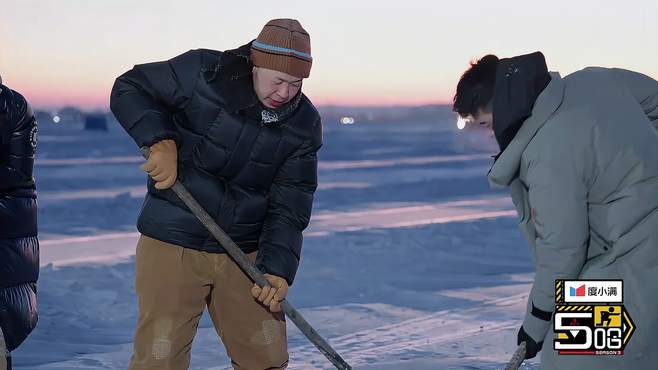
[[3, 352], [175, 284]]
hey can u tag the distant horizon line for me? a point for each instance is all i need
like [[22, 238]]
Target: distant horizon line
[[319, 106]]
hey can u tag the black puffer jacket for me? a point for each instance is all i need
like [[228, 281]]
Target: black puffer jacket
[[19, 247], [256, 180]]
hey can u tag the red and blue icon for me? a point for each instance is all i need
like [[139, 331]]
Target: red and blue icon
[[577, 292]]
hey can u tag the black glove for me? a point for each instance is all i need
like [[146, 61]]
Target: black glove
[[531, 347]]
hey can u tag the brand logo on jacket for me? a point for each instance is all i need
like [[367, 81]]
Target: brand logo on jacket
[[268, 117], [591, 319], [34, 133]]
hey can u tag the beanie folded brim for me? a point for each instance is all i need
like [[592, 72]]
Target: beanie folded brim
[[289, 64]]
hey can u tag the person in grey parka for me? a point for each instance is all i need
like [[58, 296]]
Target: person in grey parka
[[580, 157]]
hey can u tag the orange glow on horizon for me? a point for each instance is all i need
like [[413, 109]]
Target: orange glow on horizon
[[92, 100], [73, 53], [84, 100]]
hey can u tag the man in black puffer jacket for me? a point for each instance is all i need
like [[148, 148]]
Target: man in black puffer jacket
[[19, 247], [238, 133]]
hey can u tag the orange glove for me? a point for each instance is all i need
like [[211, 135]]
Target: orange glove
[[162, 164], [271, 296]]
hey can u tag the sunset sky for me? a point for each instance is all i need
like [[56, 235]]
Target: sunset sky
[[68, 52]]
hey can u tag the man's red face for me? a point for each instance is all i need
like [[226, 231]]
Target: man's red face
[[274, 88]]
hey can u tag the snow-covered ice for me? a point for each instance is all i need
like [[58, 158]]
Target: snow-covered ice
[[410, 262]]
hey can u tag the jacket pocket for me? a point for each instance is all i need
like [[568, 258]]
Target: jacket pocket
[[243, 232], [598, 240]]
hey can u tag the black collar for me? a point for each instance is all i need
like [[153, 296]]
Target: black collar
[[519, 81], [233, 75], [5, 96]]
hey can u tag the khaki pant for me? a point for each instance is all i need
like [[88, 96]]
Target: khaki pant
[[175, 284], [4, 355]]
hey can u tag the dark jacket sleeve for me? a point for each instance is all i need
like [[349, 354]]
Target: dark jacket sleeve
[[144, 98], [19, 129], [289, 210]]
